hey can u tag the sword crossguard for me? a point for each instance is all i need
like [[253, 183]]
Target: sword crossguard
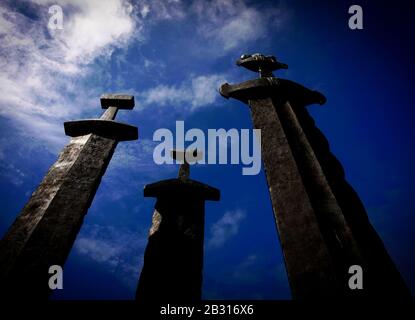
[[106, 126], [260, 63], [268, 86]]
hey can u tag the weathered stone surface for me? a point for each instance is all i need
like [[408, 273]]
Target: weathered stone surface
[[173, 261], [308, 261], [104, 128], [381, 277], [178, 186], [280, 89], [322, 224], [45, 230], [333, 227]]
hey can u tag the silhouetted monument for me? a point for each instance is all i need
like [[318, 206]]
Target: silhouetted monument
[[44, 232], [322, 224], [173, 260]]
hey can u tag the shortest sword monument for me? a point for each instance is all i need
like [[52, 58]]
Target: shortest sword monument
[[322, 224], [173, 260], [44, 232]]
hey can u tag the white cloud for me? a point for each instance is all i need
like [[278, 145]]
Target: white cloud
[[205, 89], [225, 228], [117, 249], [134, 156], [241, 29], [11, 173], [96, 29], [42, 75], [162, 9], [191, 94], [243, 271], [50, 77], [232, 23], [45, 74], [144, 11]]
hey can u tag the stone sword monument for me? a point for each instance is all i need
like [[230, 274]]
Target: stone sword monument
[[173, 260], [322, 225], [44, 232]]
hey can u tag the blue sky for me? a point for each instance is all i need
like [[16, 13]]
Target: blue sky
[[172, 56]]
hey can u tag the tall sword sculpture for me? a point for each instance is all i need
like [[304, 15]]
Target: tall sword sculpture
[[322, 225], [173, 260], [44, 232]]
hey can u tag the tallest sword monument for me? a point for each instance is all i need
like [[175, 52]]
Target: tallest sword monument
[[322, 225]]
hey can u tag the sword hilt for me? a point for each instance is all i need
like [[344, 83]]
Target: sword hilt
[[114, 102], [260, 63], [106, 126], [188, 157]]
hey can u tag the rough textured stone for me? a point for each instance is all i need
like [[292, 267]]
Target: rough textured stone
[[44, 232], [173, 261], [309, 265], [105, 128], [322, 224], [381, 277], [333, 226]]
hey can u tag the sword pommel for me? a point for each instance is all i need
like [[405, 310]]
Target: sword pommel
[[187, 157], [260, 63], [121, 101]]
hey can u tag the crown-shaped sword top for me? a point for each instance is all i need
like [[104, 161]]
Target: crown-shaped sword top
[[260, 63]]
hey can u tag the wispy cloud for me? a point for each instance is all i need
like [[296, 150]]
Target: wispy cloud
[[49, 76], [156, 10], [245, 268], [257, 275], [11, 173], [233, 23], [225, 228], [42, 73], [256, 271], [193, 93], [135, 156], [133, 165], [119, 250], [91, 28]]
